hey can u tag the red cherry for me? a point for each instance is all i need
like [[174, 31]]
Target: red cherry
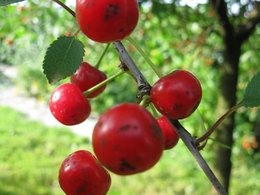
[[127, 139], [107, 20], [171, 138], [177, 95], [86, 77], [68, 104], [81, 174]]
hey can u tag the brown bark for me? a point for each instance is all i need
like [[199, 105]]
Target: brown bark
[[233, 39], [227, 99]]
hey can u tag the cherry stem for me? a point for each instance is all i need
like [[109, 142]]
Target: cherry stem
[[145, 56], [144, 89], [76, 33], [154, 111], [190, 143], [101, 84], [143, 86], [146, 100], [102, 56], [65, 7], [217, 123]]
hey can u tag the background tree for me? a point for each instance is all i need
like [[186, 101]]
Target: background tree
[[236, 31]]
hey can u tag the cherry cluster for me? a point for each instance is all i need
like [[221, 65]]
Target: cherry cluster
[[127, 139], [68, 103]]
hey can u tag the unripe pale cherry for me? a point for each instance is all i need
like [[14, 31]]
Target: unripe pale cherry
[[68, 104]]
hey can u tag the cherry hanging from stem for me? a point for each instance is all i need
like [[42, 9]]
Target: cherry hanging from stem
[[144, 89]]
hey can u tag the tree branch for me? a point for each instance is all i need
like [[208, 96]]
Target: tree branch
[[143, 86], [189, 141], [220, 7], [186, 137], [65, 7], [247, 29]]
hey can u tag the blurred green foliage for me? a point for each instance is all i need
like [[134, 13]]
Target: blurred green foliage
[[31, 153]]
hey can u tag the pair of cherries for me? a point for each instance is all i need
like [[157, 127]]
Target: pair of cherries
[[126, 140], [68, 103]]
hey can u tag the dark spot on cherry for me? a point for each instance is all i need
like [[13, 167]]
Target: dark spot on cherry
[[128, 127], [156, 130], [125, 166], [99, 124], [121, 30], [81, 190], [125, 127], [176, 106], [111, 10]]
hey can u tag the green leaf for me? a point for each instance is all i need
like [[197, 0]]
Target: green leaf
[[252, 92], [8, 2], [63, 58]]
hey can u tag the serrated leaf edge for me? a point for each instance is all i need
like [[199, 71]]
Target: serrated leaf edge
[[44, 71]]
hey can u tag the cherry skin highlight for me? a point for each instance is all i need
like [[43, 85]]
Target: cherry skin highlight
[[68, 104], [107, 20], [177, 95], [171, 137], [88, 76], [127, 139], [81, 174]]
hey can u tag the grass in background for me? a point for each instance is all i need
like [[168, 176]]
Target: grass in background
[[31, 154]]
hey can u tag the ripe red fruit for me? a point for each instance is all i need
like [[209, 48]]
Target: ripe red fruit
[[88, 76], [68, 104], [176, 95], [171, 137], [107, 20], [81, 174], [127, 139]]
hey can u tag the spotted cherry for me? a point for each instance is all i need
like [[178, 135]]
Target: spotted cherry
[[68, 104], [171, 137], [177, 95], [81, 174], [88, 76], [127, 139], [107, 20]]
